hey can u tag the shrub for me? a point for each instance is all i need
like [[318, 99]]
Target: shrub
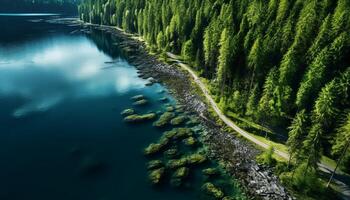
[[266, 158]]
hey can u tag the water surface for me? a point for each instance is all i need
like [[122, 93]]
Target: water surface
[[60, 104]]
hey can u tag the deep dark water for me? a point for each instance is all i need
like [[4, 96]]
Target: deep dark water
[[61, 132]]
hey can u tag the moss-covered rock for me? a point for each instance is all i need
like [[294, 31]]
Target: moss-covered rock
[[128, 112], [140, 118], [179, 108], [182, 133], [164, 119], [170, 108], [140, 102], [193, 121], [181, 172], [210, 172], [137, 97], [191, 141], [171, 153], [178, 120], [170, 134], [196, 159], [156, 147], [156, 175], [179, 175], [154, 164], [163, 141], [213, 191], [152, 149], [176, 163]]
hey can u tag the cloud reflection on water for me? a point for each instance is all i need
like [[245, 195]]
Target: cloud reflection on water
[[44, 73]]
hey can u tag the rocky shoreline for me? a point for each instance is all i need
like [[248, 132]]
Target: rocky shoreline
[[237, 155]]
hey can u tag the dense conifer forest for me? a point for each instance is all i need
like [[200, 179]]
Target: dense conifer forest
[[283, 63], [279, 63]]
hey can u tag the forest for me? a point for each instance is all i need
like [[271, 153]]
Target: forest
[[279, 63]]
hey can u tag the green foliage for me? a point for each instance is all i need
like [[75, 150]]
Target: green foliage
[[304, 180], [281, 62], [341, 143], [188, 51], [266, 158], [297, 133]]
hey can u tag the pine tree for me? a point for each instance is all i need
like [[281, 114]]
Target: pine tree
[[224, 59], [297, 133]]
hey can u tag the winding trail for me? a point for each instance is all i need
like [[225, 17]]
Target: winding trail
[[338, 178]]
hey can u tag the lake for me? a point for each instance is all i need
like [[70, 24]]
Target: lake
[[61, 95]]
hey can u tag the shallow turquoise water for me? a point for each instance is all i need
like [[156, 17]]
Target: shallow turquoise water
[[60, 107]]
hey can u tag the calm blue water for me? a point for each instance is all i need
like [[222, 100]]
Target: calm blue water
[[60, 107]]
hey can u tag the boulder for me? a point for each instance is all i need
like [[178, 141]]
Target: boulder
[[154, 164], [181, 172], [178, 120], [171, 153], [141, 102], [128, 112], [140, 118], [164, 119], [191, 141], [213, 191], [152, 149], [210, 172], [137, 97], [196, 159], [176, 163], [156, 175]]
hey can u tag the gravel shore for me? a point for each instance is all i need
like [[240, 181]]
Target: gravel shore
[[237, 154]]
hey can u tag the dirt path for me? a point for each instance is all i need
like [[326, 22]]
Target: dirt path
[[343, 187]]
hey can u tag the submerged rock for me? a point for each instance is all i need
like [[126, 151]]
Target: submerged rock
[[193, 121], [173, 164], [137, 97], [178, 133], [163, 141], [191, 141], [140, 118], [212, 190], [152, 149], [182, 172], [128, 112], [171, 153], [154, 164], [228, 198], [91, 166], [161, 91], [178, 120], [193, 159], [170, 108], [178, 176], [140, 102], [180, 108], [182, 133], [156, 175], [164, 119], [196, 159], [164, 99], [210, 172]]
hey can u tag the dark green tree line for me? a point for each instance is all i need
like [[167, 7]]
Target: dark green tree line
[[281, 63]]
